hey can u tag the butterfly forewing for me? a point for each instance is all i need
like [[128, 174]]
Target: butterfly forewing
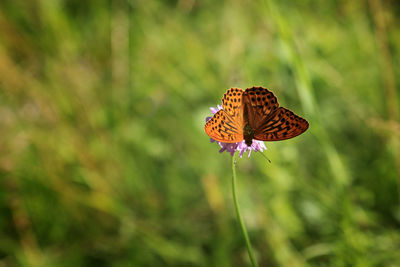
[[224, 128], [260, 104], [232, 103], [282, 124]]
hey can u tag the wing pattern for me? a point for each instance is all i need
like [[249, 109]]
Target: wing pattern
[[260, 104], [222, 127], [232, 102], [281, 125]]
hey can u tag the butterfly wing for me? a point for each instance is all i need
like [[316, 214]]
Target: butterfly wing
[[260, 103], [282, 124], [232, 103], [223, 127], [227, 124]]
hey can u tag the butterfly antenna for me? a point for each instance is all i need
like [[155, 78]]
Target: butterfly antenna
[[266, 157]]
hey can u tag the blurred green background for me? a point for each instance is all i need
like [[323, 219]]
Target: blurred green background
[[104, 160]]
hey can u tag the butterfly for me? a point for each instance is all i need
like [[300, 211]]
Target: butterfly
[[253, 114]]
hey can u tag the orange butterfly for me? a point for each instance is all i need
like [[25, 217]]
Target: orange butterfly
[[253, 114]]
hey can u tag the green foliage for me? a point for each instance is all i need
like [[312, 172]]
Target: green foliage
[[104, 161]]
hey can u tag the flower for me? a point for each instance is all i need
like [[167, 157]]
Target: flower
[[240, 146]]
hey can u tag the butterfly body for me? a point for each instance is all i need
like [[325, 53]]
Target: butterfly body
[[253, 114], [248, 134]]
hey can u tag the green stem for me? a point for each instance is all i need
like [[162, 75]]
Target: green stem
[[239, 216]]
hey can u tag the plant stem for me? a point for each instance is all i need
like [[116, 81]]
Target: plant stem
[[239, 216]]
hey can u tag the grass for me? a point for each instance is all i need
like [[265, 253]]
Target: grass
[[104, 161]]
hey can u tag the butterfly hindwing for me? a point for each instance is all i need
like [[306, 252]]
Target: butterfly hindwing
[[224, 128], [282, 124]]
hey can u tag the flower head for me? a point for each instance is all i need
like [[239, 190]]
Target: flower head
[[240, 146]]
